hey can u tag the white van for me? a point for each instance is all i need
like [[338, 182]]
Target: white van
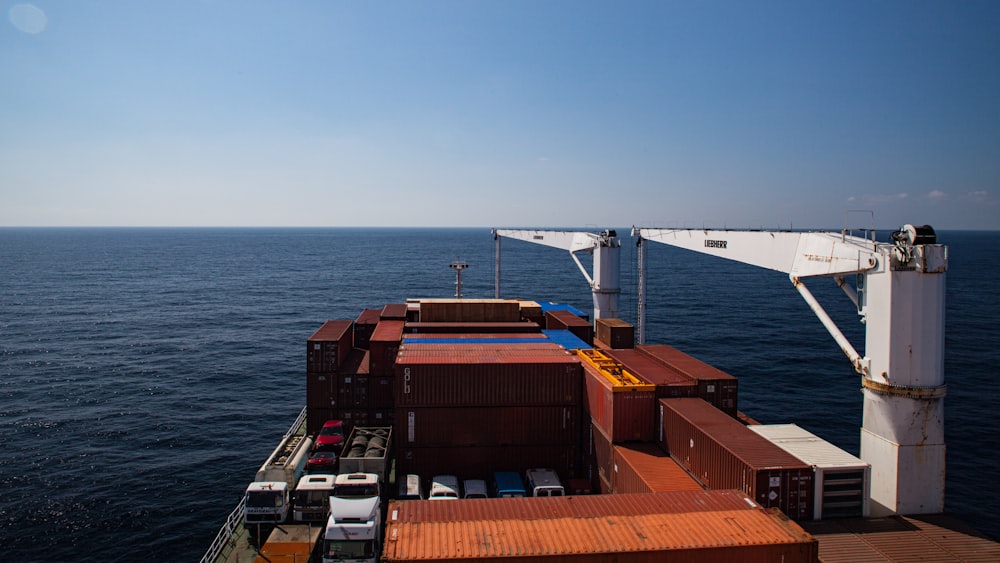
[[443, 487], [544, 483], [410, 488], [474, 488]]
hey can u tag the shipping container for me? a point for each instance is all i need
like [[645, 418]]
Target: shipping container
[[448, 376], [561, 319], [567, 339], [417, 338], [599, 451], [394, 312], [841, 481], [645, 468], [714, 385], [668, 381], [290, 543], [437, 328], [470, 310], [615, 333], [384, 345], [319, 390], [380, 392], [329, 346], [364, 325], [488, 426], [722, 453], [531, 311], [690, 526], [479, 462], [623, 406]]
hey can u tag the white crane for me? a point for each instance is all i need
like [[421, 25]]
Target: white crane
[[605, 248], [899, 293]]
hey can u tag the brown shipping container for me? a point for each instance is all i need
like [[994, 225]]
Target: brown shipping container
[[714, 385], [319, 390], [380, 392], [416, 338], [329, 346], [488, 426], [722, 453], [449, 377], [480, 462], [394, 312], [438, 328], [645, 468], [364, 325], [668, 381], [470, 310], [531, 310], [688, 527], [561, 319], [615, 333], [625, 412], [384, 345], [599, 450]]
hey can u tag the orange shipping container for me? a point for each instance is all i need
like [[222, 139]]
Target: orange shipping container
[[645, 468], [690, 526]]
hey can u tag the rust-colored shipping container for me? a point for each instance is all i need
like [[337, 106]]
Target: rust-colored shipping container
[[364, 325], [319, 390], [561, 319], [531, 311], [668, 381], [688, 527], [623, 407], [384, 345], [380, 392], [469, 328], [480, 462], [722, 453], [418, 337], [645, 468], [714, 385], [329, 346], [488, 426], [449, 376], [615, 333], [470, 310], [394, 312]]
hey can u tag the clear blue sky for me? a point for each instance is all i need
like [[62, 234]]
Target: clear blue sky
[[500, 113]]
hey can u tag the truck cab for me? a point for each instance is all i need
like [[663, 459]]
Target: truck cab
[[357, 485], [267, 502], [312, 498], [544, 483], [353, 531]]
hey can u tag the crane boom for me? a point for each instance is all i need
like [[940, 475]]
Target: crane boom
[[604, 283], [900, 297]]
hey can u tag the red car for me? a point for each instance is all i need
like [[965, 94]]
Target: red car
[[331, 436], [322, 462]]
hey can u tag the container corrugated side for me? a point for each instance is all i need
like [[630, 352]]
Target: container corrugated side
[[714, 385], [416, 338], [645, 468], [364, 325], [384, 345], [724, 454], [413, 327], [329, 346], [592, 528], [599, 450], [469, 310], [668, 382], [842, 482], [449, 376], [480, 462], [625, 412], [615, 333], [488, 426]]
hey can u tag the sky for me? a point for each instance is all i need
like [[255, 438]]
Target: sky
[[512, 113]]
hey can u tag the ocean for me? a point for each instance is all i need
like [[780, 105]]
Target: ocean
[[145, 374]]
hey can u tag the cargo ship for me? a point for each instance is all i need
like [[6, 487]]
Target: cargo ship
[[590, 444]]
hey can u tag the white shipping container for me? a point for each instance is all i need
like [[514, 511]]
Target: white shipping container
[[842, 481]]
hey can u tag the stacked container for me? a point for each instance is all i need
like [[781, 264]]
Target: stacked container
[[562, 319], [614, 334], [327, 352], [722, 453], [714, 385], [842, 482], [645, 468], [469, 409]]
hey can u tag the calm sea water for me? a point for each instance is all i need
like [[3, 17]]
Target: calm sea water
[[146, 373]]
